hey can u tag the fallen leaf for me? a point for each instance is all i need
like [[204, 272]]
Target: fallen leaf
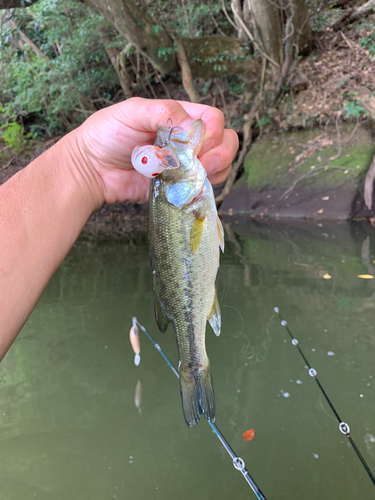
[[249, 435], [327, 276], [366, 276]]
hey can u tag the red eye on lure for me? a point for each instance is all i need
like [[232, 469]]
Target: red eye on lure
[[150, 161]]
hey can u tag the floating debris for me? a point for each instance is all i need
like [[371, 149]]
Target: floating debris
[[315, 455], [366, 276], [330, 353], [327, 276], [369, 438], [286, 394], [298, 381], [249, 435]]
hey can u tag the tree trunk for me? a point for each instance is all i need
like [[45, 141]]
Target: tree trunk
[[237, 9], [208, 57], [118, 60], [267, 28], [302, 27], [14, 4], [139, 28], [279, 20]]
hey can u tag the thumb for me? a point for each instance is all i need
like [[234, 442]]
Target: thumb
[[148, 114]]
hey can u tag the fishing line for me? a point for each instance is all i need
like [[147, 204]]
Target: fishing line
[[248, 350], [343, 426], [237, 461]]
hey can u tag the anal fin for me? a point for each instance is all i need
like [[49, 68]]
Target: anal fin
[[214, 316]]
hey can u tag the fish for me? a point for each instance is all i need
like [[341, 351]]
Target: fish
[[185, 235]]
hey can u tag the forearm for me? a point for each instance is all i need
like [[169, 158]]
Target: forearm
[[43, 208]]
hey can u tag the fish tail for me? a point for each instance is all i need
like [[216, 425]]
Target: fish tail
[[197, 394]]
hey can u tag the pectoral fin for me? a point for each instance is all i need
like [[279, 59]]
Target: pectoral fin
[[214, 316], [220, 232], [160, 317], [196, 233]]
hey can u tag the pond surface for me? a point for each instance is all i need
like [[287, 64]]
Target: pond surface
[[69, 426]]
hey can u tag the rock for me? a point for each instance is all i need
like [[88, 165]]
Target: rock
[[297, 175]]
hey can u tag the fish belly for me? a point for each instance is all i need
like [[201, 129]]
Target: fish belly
[[184, 285]]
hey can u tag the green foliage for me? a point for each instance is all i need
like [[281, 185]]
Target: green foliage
[[76, 75], [191, 19], [155, 29], [206, 86], [166, 51], [236, 86], [14, 136], [369, 43], [354, 109], [264, 121]]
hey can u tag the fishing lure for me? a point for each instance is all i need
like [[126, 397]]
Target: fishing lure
[[150, 161]]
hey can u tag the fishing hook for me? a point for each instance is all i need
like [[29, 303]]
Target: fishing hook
[[171, 130]]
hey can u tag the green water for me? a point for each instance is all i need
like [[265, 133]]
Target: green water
[[69, 427]]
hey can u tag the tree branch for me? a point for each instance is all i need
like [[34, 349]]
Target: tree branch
[[187, 80], [353, 15]]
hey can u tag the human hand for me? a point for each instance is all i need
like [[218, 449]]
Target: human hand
[[105, 141]]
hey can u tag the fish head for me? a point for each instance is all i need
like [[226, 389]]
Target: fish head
[[150, 161], [185, 143]]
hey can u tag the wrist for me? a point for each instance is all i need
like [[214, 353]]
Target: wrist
[[81, 173]]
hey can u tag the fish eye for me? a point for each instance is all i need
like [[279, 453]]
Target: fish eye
[[144, 160]]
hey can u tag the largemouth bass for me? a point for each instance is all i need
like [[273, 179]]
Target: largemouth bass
[[185, 234]]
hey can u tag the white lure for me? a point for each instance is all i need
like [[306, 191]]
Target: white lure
[[150, 161]]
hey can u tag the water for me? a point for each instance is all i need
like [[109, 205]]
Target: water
[[69, 426]]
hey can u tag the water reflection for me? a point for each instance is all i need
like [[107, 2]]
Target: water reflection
[[79, 420]]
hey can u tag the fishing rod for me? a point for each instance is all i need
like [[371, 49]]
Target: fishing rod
[[343, 426], [237, 461]]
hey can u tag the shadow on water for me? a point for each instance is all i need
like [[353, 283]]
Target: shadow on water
[[79, 420]]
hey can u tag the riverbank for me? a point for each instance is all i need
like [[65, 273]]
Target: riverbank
[[306, 174], [313, 174]]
